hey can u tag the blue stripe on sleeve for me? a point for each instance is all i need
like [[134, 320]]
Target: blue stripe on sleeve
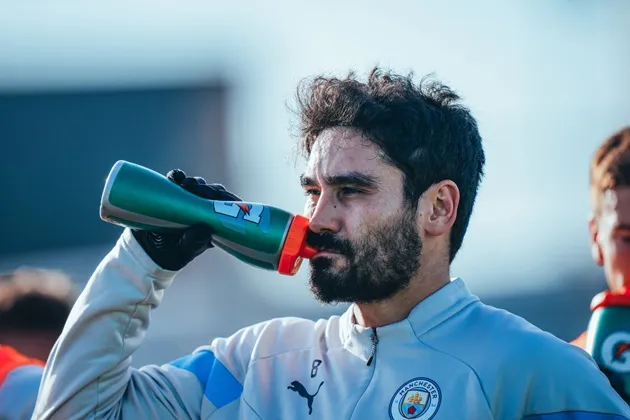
[[576, 415], [220, 386]]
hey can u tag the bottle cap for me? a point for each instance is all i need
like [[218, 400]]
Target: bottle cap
[[611, 298], [295, 249]]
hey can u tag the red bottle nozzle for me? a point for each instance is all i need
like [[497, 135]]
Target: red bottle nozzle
[[295, 248], [611, 298], [308, 252]]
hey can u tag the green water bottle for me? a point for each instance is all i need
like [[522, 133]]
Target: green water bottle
[[263, 236], [608, 338]]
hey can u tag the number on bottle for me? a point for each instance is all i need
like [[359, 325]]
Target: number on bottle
[[251, 212]]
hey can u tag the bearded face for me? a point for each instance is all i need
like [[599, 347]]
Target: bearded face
[[372, 268]]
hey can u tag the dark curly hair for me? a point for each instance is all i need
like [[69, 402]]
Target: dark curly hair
[[420, 128], [35, 299]]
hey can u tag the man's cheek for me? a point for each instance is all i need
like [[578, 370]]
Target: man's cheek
[[622, 257]]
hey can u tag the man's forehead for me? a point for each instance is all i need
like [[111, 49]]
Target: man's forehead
[[616, 204], [344, 149]]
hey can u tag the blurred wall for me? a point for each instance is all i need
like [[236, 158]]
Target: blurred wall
[[58, 148]]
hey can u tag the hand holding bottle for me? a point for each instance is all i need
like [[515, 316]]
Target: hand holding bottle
[[174, 250]]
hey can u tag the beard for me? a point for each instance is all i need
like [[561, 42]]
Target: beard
[[374, 268]]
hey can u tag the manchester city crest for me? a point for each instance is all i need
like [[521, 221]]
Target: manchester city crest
[[418, 399]]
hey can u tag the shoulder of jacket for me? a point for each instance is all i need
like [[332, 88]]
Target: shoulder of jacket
[[520, 344], [288, 334]]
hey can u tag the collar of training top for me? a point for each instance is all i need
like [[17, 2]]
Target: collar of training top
[[429, 313]]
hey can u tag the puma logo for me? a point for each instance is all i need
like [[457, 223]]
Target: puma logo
[[302, 392]]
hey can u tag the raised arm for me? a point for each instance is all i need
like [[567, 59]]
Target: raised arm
[[89, 373]]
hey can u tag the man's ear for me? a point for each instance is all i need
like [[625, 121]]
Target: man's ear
[[441, 207], [596, 249]]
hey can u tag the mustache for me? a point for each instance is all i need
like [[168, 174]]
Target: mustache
[[329, 242]]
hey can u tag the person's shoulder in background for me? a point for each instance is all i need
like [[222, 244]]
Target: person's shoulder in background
[[20, 376]]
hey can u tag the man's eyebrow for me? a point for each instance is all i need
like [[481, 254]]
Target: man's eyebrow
[[352, 178], [307, 181]]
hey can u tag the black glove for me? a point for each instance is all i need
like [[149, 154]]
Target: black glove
[[174, 250]]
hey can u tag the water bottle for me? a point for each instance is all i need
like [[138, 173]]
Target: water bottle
[[608, 337], [258, 234]]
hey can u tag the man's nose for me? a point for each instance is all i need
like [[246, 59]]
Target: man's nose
[[325, 216]]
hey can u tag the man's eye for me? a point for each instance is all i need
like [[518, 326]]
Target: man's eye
[[345, 191], [311, 191]]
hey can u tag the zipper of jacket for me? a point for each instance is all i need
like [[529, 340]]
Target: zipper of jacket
[[374, 338]]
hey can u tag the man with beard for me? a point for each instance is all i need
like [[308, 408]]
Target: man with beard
[[393, 171]]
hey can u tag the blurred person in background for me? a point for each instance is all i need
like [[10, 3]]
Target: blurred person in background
[[34, 306], [391, 180], [609, 225]]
